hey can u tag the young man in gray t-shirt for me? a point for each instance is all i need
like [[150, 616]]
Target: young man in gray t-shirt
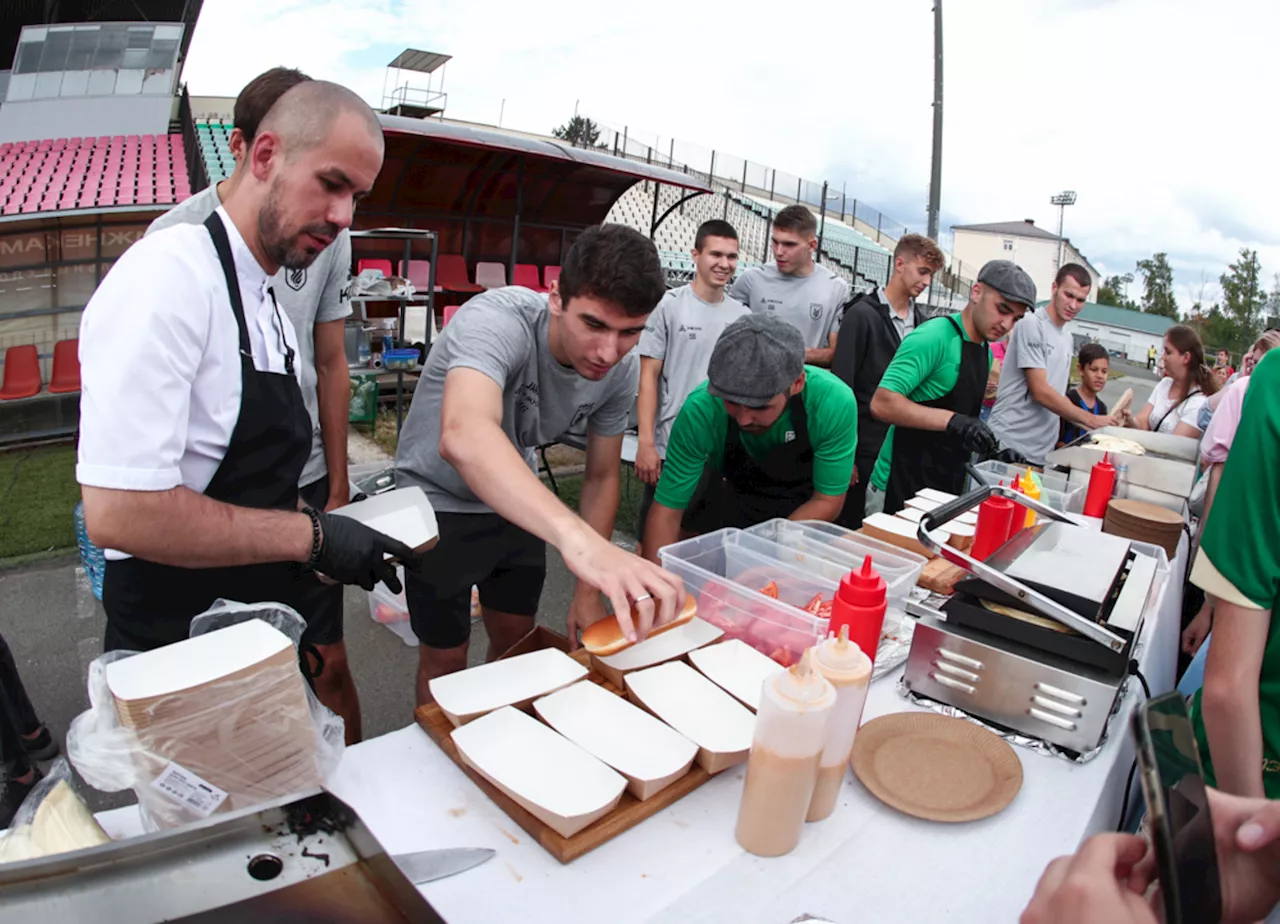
[[676, 346], [795, 288], [314, 300], [514, 370], [1031, 399]]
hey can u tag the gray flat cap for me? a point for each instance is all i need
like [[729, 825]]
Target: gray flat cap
[[1010, 280], [757, 358]]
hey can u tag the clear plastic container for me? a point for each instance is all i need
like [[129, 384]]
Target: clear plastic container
[[833, 551], [1055, 490], [727, 580], [790, 734]]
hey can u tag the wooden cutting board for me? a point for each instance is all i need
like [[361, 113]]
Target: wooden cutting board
[[630, 811]]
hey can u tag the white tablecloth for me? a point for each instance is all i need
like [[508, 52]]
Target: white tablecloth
[[867, 862]]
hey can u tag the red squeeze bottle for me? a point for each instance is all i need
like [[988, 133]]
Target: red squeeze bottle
[[995, 520], [1102, 480], [860, 604]]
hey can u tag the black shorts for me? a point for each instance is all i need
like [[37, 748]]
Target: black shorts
[[508, 564], [320, 604]]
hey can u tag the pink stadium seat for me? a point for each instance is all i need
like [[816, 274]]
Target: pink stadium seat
[[21, 373], [526, 275], [65, 377], [372, 264], [419, 273], [449, 312], [550, 274], [491, 275], [451, 274]]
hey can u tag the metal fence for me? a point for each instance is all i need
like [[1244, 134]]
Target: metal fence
[[726, 172]]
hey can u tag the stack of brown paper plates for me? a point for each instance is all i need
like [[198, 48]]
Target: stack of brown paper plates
[[230, 706], [1144, 522]]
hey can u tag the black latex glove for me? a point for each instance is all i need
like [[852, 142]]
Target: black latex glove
[[1011, 457], [352, 553], [976, 436]]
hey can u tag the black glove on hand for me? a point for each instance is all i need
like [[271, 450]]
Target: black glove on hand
[[976, 436], [352, 553], [1011, 457]]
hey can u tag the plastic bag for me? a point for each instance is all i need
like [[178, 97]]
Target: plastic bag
[[51, 820], [223, 744]]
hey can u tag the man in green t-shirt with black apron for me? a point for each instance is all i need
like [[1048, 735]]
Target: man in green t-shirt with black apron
[[932, 392], [775, 437], [1236, 714]]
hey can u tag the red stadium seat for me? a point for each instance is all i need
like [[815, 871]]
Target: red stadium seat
[[375, 264], [21, 373], [449, 312], [550, 274], [451, 274], [66, 368], [526, 275]]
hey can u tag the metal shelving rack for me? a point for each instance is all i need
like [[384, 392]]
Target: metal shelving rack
[[409, 236]]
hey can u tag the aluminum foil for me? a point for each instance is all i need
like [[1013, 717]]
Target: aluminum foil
[[895, 637], [1032, 744]]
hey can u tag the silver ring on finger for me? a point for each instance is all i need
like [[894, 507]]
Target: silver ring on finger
[[642, 597]]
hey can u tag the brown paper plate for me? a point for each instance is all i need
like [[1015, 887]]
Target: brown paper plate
[[1142, 511], [936, 767]]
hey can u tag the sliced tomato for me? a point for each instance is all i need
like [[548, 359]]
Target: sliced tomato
[[814, 606], [770, 589]]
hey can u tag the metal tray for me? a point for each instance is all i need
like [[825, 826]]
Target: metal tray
[[307, 857]]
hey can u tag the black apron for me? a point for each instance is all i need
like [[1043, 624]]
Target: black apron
[[775, 486], [148, 604], [933, 459]]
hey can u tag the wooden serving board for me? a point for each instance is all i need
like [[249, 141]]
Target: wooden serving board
[[630, 811]]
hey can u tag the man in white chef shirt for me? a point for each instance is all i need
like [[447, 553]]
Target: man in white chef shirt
[[193, 430], [313, 301]]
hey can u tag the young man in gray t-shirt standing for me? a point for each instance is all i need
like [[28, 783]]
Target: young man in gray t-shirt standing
[[676, 346], [314, 301], [1031, 399], [512, 371], [795, 288]]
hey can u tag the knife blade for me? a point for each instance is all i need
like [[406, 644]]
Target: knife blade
[[425, 866]]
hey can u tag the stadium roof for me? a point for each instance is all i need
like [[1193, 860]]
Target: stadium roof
[[425, 62], [15, 14], [1125, 318]]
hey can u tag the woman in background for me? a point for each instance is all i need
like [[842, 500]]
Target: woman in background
[[1174, 406]]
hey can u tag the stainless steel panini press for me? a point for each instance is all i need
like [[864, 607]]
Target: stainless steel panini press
[[1038, 638]]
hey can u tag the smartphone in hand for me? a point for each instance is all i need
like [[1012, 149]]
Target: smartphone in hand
[[1178, 811]]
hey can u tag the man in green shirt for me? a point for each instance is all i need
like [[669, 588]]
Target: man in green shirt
[[776, 436], [932, 392], [1236, 714]]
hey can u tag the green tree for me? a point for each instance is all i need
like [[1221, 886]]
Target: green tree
[[1157, 286], [1243, 297], [1112, 291], [579, 131], [1216, 329]]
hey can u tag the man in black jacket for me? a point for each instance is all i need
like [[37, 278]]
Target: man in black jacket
[[874, 324]]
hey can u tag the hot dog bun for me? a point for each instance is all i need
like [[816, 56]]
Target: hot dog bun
[[605, 637]]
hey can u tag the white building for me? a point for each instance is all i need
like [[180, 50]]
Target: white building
[[1032, 248], [1121, 331]]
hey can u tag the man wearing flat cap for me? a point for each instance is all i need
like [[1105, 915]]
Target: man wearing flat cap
[[932, 392], [776, 437]]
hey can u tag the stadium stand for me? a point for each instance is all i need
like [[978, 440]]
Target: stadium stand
[[214, 137]]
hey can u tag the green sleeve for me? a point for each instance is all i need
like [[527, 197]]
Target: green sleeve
[[833, 430], [697, 437], [919, 356], [880, 474], [1242, 535]]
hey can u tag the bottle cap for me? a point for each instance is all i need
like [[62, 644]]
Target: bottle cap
[[838, 654], [864, 587], [801, 684]]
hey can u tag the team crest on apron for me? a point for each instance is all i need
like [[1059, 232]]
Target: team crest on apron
[[297, 278]]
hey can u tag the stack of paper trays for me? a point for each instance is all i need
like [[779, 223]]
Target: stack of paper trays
[[230, 707]]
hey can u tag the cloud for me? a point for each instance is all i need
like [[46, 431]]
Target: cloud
[[1152, 110]]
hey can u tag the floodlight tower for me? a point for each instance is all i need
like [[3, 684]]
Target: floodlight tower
[[1062, 200]]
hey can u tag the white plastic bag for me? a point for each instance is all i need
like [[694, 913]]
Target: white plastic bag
[[193, 753], [51, 820]]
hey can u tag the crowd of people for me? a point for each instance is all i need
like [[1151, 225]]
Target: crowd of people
[[781, 394]]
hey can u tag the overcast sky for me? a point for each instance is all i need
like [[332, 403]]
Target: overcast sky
[[1158, 113]]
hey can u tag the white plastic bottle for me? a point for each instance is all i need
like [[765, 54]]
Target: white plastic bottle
[[782, 769], [848, 670]]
